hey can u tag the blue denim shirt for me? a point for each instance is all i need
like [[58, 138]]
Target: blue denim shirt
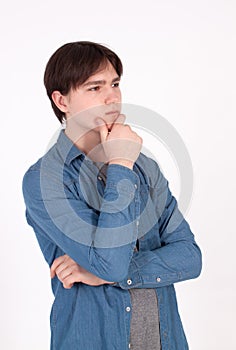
[[96, 215]]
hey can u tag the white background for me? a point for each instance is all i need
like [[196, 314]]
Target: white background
[[179, 59]]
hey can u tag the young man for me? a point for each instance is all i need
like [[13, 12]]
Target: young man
[[104, 217]]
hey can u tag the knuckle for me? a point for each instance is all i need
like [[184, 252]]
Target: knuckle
[[59, 275]]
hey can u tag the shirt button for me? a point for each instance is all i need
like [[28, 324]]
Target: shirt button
[[99, 178], [129, 282], [129, 346], [136, 186], [127, 309], [158, 279], [137, 223]]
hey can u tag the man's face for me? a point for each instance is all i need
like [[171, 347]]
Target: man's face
[[99, 97]]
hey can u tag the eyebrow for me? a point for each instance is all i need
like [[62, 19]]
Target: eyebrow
[[100, 82]]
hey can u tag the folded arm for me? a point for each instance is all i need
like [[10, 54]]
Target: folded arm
[[69, 272], [101, 241]]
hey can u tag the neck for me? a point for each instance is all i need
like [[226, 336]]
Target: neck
[[87, 141]]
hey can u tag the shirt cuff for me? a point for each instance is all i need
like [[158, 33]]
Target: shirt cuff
[[125, 178]]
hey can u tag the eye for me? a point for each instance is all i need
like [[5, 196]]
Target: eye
[[94, 88], [115, 85]]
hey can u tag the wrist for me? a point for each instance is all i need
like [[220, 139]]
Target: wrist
[[122, 162]]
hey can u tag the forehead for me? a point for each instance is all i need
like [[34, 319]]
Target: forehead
[[107, 72]]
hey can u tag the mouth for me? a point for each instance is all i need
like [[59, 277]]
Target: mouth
[[112, 113]]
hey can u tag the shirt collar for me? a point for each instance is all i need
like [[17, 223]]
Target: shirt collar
[[67, 148]]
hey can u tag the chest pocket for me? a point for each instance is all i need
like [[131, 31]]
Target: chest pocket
[[87, 190]]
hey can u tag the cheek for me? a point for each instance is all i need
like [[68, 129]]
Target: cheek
[[80, 103], [118, 95], [75, 108], [86, 116]]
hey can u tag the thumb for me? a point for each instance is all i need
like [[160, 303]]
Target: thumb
[[102, 129], [120, 119]]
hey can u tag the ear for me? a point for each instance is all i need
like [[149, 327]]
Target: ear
[[60, 101]]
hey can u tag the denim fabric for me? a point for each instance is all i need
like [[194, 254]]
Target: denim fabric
[[96, 213]]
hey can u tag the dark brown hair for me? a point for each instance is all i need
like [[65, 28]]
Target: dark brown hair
[[72, 64]]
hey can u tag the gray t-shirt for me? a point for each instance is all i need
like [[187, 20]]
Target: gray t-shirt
[[144, 329]]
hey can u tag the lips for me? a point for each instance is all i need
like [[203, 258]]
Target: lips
[[112, 112]]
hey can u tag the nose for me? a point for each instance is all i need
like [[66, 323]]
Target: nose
[[112, 96]]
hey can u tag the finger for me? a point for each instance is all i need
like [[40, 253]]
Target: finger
[[63, 270], [56, 263], [69, 281], [54, 266], [52, 274], [103, 130], [67, 286], [64, 273], [120, 119]]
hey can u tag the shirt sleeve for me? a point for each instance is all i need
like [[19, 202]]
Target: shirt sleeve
[[102, 241], [178, 258]]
